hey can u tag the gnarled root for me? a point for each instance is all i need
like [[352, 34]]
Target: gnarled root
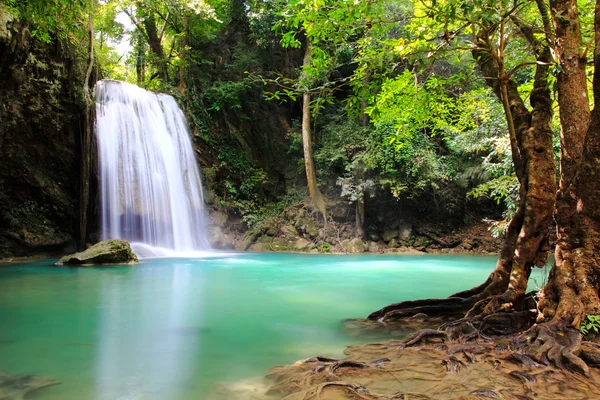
[[451, 307], [590, 353], [357, 391], [424, 336], [552, 344]]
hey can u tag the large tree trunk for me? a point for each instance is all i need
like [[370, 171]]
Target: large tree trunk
[[316, 196], [572, 289], [526, 242]]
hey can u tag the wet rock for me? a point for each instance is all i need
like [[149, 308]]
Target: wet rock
[[389, 235], [218, 218], [393, 244], [219, 240], [113, 251]]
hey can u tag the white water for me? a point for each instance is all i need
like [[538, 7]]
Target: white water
[[151, 189]]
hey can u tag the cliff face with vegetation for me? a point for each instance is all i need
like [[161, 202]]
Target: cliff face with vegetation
[[39, 130]]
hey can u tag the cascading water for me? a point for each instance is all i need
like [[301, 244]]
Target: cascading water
[[151, 190]]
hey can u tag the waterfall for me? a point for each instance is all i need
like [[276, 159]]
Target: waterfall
[[150, 184]]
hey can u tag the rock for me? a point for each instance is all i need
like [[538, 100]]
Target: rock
[[356, 246], [311, 229], [374, 247], [405, 230], [300, 244], [219, 240], [374, 236], [389, 235], [289, 230], [114, 251], [247, 240], [17, 387], [259, 247], [218, 218], [270, 229], [393, 244], [345, 243]]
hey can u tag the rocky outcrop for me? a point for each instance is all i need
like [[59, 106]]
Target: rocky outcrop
[[39, 130], [115, 252]]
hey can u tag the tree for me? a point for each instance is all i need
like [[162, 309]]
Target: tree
[[572, 289]]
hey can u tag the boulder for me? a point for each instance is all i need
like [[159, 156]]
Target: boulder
[[289, 230], [375, 247], [218, 218], [113, 251], [259, 247], [247, 240], [389, 235], [311, 229], [300, 244], [356, 246], [393, 244], [374, 236], [405, 230], [219, 240]]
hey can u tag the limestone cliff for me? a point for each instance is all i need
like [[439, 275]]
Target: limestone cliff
[[39, 131]]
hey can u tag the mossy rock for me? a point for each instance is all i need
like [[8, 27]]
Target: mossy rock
[[114, 251]]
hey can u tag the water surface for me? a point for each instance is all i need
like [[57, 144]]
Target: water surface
[[171, 328]]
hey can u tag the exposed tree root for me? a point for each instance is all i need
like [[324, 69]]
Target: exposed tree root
[[551, 344], [424, 336], [451, 306]]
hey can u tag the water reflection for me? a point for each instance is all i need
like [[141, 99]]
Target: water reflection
[[146, 345]]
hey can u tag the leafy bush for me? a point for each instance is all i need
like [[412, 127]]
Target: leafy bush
[[590, 324]]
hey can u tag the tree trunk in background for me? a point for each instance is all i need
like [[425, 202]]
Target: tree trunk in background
[[140, 68], [86, 137], [316, 196], [361, 225], [182, 56], [155, 43], [572, 289]]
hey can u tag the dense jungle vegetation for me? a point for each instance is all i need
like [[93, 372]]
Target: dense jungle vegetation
[[434, 103]]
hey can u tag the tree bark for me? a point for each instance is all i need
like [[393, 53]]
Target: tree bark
[[84, 193], [572, 289], [155, 43], [316, 196], [182, 56]]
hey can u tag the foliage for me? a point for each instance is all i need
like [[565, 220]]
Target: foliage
[[32, 216], [590, 324], [260, 215]]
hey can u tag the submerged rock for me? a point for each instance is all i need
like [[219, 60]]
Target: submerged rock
[[114, 251], [18, 386]]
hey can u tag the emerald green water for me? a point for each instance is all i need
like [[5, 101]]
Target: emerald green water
[[171, 328]]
